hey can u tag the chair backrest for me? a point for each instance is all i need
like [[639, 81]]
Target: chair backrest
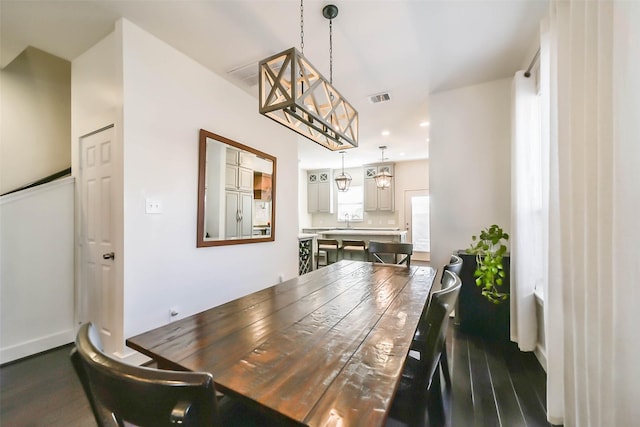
[[353, 244], [434, 326], [376, 249], [328, 243], [449, 278], [455, 265], [141, 396]]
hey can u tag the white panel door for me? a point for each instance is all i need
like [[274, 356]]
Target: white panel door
[[97, 287], [416, 213]]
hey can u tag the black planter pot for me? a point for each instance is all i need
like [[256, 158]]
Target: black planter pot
[[475, 314]]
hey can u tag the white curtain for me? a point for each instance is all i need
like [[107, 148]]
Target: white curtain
[[593, 292], [527, 257]]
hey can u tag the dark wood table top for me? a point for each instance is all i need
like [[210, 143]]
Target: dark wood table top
[[325, 348]]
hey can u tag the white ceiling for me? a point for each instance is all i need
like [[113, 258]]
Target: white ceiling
[[409, 48]]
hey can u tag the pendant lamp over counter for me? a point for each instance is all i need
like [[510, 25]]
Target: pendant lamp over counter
[[383, 178], [343, 181], [293, 93]]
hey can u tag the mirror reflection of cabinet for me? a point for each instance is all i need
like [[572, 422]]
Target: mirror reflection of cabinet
[[236, 185], [239, 170]]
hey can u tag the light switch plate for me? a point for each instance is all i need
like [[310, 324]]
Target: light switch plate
[[153, 206]]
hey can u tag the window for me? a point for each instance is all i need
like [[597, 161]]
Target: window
[[351, 204]]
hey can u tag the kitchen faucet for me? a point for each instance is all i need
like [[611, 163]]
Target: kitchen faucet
[[346, 218]]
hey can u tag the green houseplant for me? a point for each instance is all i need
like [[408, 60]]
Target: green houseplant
[[489, 247]]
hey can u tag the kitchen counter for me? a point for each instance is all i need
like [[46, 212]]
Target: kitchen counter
[[381, 235], [321, 229], [306, 235], [363, 232]]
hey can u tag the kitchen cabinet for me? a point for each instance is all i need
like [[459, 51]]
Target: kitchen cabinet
[[238, 214], [378, 199], [319, 191]]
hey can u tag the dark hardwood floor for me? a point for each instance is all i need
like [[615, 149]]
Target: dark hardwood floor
[[493, 385]]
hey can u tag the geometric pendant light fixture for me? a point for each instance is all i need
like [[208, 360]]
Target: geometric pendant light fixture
[[383, 178], [294, 93], [343, 181]]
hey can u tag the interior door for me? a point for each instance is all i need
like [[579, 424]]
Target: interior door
[[416, 211], [97, 273]]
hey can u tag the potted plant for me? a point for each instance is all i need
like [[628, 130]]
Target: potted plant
[[482, 309], [489, 247]]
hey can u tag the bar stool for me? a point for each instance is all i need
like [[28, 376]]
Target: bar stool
[[354, 247], [327, 246]]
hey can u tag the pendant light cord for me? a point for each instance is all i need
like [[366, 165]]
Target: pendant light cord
[[302, 27], [331, 51]]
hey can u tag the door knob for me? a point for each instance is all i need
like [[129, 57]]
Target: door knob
[[110, 255]]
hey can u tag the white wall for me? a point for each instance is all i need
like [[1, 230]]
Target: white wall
[[409, 176], [160, 101], [167, 98], [36, 270], [470, 164], [96, 102], [35, 118]]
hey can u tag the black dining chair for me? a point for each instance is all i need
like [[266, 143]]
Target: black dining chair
[[454, 265], [147, 397], [420, 386], [378, 251], [449, 279]]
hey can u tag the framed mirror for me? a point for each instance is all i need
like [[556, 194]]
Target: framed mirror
[[236, 193]]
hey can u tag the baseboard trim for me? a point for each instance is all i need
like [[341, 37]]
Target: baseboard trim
[[541, 355], [37, 345]]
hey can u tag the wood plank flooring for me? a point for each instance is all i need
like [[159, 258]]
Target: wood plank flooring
[[493, 385]]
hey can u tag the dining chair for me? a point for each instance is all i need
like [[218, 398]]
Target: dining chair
[[449, 279], [454, 265], [420, 386], [378, 250], [354, 247], [147, 397], [327, 246]]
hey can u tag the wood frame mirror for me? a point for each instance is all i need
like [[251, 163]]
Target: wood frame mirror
[[236, 193]]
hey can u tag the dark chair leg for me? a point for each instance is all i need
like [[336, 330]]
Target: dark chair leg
[[444, 366], [435, 403]]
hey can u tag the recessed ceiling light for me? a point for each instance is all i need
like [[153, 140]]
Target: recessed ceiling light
[[386, 133], [402, 154], [424, 124], [428, 140]]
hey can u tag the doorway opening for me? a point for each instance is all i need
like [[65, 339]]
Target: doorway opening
[[416, 210]]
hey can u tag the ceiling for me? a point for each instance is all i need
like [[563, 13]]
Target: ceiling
[[407, 48]]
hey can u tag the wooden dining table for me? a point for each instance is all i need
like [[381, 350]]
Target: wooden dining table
[[325, 348]]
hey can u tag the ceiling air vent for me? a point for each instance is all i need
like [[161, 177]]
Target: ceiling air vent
[[381, 97], [247, 74]]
